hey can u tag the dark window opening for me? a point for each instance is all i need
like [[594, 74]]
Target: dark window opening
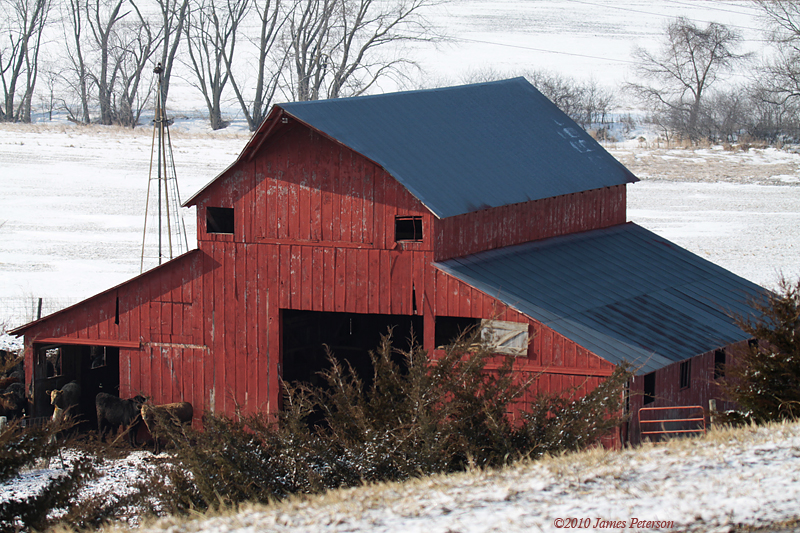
[[649, 388], [719, 364], [449, 328], [98, 356], [219, 220], [116, 312], [408, 229], [686, 374]]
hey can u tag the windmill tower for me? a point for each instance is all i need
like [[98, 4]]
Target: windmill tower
[[164, 229]]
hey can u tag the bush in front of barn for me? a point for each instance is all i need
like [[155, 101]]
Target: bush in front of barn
[[26, 447], [415, 416], [763, 380]]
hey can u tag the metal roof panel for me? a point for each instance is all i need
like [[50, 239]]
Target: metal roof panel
[[461, 149], [623, 292]]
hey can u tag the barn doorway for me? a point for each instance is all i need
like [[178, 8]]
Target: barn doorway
[[350, 336], [94, 368]]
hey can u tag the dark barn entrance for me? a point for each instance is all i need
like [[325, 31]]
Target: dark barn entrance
[[94, 368], [349, 336]]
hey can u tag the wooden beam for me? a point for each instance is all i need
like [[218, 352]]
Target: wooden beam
[[135, 345]]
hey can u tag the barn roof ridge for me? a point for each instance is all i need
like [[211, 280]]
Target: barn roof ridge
[[464, 148]]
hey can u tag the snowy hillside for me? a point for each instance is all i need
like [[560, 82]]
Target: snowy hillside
[[727, 481]]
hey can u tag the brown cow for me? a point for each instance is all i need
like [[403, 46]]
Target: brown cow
[[161, 419], [69, 396]]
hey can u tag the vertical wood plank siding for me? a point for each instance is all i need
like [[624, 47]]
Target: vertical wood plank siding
[[668, 392], [314, 230]]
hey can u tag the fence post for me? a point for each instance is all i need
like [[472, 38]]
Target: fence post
[[712, 411], [39, 311]]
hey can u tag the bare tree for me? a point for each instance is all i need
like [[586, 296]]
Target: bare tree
[[270, 64], [211, 32], [78, 78], [781, 73], [102, 17], [691, 60], [20, 39], [173, 21], [121, 43], [134, 44], [343, 47]]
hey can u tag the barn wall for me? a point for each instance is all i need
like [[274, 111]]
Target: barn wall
[[668, 393], [519, 223], [305, 189], [314, 231]]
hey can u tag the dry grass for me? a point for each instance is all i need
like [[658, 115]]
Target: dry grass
[[439, 491]]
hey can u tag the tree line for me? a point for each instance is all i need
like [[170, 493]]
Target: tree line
[[106, 50], [257, 50]]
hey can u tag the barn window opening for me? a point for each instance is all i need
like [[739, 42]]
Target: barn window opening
[[510, 338], [116, 312], [53, 361], [408, 229], [685, 371], [97, 354], [719, 364], [649, 388], [219, 220], [450, 328]]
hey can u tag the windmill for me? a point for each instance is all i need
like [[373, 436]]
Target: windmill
[[164, 230]]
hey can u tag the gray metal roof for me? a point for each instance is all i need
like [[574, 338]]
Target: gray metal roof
[[624, 293], [461, 149]]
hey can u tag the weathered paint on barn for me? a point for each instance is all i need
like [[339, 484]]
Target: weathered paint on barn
[[313, 229]]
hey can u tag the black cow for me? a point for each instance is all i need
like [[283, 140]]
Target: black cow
[[113, 412], [13, 401]]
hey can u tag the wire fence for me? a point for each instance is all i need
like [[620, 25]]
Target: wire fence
[[17, 311]]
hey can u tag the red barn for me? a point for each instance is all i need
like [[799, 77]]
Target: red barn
[[428, 211]]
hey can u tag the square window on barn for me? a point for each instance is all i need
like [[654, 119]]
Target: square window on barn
[[686, 374], [649, 388], [719, 364], [219, 220], [408, 229]]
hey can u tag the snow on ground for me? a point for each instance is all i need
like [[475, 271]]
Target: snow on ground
[[726, 481]]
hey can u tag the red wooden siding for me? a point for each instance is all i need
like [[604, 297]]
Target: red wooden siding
[[518, 223], [323, 194], [668, 393], [314, 230]]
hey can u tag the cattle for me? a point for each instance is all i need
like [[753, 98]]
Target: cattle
[[113, 412], [13, 401], [64, 399], [160, 419], [6, 381]]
